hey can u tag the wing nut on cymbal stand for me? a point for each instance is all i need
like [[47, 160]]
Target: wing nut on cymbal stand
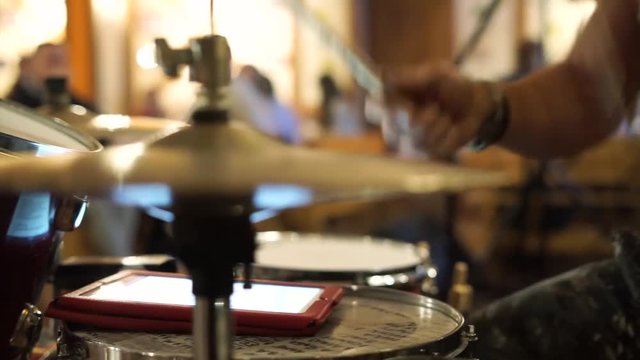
[[203, 223]]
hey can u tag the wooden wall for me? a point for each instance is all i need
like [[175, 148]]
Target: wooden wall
[[410, 31], [79, 40]]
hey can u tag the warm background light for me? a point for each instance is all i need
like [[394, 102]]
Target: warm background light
[[564, 19], [24, 24]]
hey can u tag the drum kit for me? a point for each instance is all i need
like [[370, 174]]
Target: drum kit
[[211, 176]]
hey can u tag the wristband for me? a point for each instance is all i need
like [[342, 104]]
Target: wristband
[[495, 125]]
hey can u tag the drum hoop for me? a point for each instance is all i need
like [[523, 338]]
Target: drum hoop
[[411, 274], [101, 348], [264, 236], [412, 299]]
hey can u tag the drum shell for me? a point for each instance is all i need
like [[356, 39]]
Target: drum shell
[[29, 230], [417, 275], [25, 263]]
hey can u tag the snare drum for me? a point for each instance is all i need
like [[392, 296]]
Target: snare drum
[[344, 259], [30, 223], [368, 323]]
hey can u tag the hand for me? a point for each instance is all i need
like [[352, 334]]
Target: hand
[[447, 108]]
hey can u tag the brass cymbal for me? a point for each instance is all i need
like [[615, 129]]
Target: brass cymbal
[[234, 160], [612, 163], [112, 129]]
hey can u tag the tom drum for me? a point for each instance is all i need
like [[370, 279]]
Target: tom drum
[[31, 223], [356, 260]]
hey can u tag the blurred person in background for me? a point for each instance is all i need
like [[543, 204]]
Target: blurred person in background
[[253, 99], [47, 61], [339, 115], [591, 312]]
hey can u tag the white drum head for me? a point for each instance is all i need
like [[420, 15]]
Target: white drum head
[[333, 253]]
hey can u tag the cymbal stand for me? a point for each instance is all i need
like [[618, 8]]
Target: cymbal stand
[[201, 228], [203, 224]]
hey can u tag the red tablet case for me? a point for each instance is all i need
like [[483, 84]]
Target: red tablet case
[[136, 316]]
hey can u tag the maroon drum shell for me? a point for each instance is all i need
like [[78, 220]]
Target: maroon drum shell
[[24, 265], [28, 236]]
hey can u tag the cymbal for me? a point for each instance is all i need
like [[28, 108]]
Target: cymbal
[[234, 161], [614, 162], [112, 129]]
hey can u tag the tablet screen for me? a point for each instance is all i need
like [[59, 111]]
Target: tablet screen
[[177, 291]]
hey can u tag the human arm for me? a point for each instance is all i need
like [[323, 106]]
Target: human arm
[[569, 106], [556, 111]]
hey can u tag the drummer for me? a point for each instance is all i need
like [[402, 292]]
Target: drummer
[[556, 111]]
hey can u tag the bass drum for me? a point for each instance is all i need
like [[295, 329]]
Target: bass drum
[[351, 260], [368, 323], [31, 223]]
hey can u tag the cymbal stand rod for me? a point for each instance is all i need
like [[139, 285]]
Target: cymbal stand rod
[[212, 328], [212, 237]]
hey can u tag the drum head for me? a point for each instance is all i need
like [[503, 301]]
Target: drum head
[[333, 253], [369, 323]]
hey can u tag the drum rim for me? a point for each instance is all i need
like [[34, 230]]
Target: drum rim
[[89, 143], [102, 348], [413, 299], [413, 273]]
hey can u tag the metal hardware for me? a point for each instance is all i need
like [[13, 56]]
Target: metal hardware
[[26, 333], [70, 212]]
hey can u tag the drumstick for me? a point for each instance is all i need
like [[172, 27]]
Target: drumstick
[[394, 122], [365, 75], [361, 69]]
